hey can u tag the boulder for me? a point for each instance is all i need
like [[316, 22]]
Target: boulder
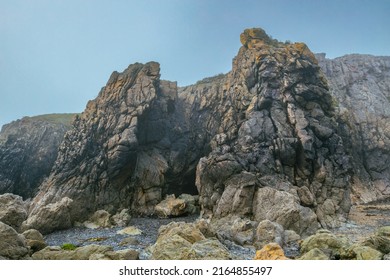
[[360, 252], [233, 228], [207, 249], [332, 246], [12, 245], [121, 219], [380, 240], [283, 208], [34, 239], [170, 207], [268, 232], [271, 251], [192, 203], [314, 254], [181, 241], [12, 210], [101, 218], [48, 218]]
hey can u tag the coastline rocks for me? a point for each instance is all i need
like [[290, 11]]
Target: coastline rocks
[[332, 246], [268, 232], [89, 252], [271, 251], [100, 218], [34, 239], [130, 231], [170, 207], [121, 219], [314, 254], [380, 240], [283, 208], [48, 218], [12, 245], [360, 252], [12, 210], [182, 241]]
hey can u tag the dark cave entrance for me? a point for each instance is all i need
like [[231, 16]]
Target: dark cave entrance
[[186, 184]]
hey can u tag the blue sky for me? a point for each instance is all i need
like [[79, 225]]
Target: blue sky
[[55, 55]]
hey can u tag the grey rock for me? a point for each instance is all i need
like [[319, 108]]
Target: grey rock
[[12, 245], [28, 150], [13, 210]]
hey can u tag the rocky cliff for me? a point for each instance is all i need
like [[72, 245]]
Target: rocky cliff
[[28, 149], [361, 85], [270, 140]]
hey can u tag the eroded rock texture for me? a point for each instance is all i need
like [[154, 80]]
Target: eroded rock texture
[[361, 85], [267, 141], [28, 150], [126, 150]]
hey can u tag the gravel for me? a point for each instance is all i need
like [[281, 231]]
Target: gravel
[[81, 236]]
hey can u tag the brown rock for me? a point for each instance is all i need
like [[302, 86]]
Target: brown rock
[[12, 210], [271, 251]]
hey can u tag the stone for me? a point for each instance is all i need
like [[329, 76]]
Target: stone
[[121, 219], [271, 251], [170, 207], [28, 150], [233, 228], [12, 210], [34, 239], [283, 208], [183, 241], [268, 232], [380, 240], [131, 230], [314, 254], [101, 218], [291, 236], [207, 249], [386, 257], [191, 202], [51, 217], [359, 252], [12, 245], [331, 245]]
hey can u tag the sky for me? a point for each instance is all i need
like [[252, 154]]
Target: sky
[[55, 55]]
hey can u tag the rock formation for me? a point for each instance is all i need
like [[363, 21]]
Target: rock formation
[[361, 86], [28, 149], [267, 141]]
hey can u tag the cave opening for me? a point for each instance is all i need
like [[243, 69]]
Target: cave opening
[[186, 185]]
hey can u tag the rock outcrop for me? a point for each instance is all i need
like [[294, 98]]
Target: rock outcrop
[[361, 87], [267, 141], [12, 245], [28, 150]]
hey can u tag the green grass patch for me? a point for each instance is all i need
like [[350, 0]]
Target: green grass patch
[[68, 247]]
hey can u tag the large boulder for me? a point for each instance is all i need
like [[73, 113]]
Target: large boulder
[[183, 241], [332, 246], [171, 207], [12, 245], [314, 254], [269, 232], [271, 251], [380, 240], [34, 239], [284, 208], [12, 210], [48, 218]]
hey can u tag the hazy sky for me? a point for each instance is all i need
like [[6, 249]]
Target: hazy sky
[[55, 55]]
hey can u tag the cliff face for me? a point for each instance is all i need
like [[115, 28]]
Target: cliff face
[[267, 141], [28, 149], [126, 150], [361, 85]]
